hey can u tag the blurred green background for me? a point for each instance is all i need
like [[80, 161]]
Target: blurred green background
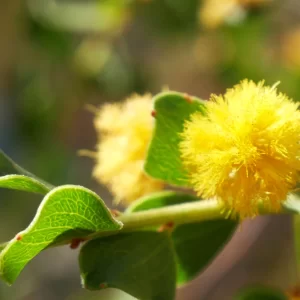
[[58, 56]]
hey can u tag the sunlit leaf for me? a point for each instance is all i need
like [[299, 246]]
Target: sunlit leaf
[[23, 183], [195, 244], [163, 161], [66, 213]]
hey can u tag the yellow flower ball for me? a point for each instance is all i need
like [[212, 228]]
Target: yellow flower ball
[[215, 12], [246, 150], [125, 130]]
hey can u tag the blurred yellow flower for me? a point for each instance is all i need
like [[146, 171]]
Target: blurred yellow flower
[[125, 130], [291, 49], [294, 293], [214, 12], [246, 150]]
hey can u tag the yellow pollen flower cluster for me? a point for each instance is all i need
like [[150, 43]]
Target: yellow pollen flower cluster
[[125, 130], [290, 49], [246, 150], [214, 12]]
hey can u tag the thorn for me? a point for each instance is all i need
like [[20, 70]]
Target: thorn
[[188, 98], [115, 212], [18, 237], [153, 113], [103, 285], [75, 243], [166, 227]]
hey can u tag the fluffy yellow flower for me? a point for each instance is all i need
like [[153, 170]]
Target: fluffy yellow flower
[[246, 150], [214, 12], [290, 49], [125, 131]]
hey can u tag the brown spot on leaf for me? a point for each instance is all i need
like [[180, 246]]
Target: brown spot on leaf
[[103, 285], [188, 98], [115, 212], [166, 227], [18, 237]]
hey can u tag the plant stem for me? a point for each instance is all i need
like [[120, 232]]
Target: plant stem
[[179, 214], [184, 213]]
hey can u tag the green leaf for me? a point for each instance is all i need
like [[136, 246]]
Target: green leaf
[[260, 293], [15, 177], [171, 111], [91, 16], [139, 263], [160, 199], [195, 244], [66, 213], [23, 183], [2, 246]]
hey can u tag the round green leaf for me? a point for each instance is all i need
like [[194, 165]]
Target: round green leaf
[[139, 263], [66, 213], [163, 160], [195, 244]]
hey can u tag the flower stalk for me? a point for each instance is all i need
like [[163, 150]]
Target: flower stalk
[[185, 213], [191, 212]]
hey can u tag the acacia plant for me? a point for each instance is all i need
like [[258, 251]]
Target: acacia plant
[[233, 157]]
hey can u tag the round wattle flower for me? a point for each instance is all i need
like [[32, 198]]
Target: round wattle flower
[[245, 151], [125, 130], [215, 12]]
